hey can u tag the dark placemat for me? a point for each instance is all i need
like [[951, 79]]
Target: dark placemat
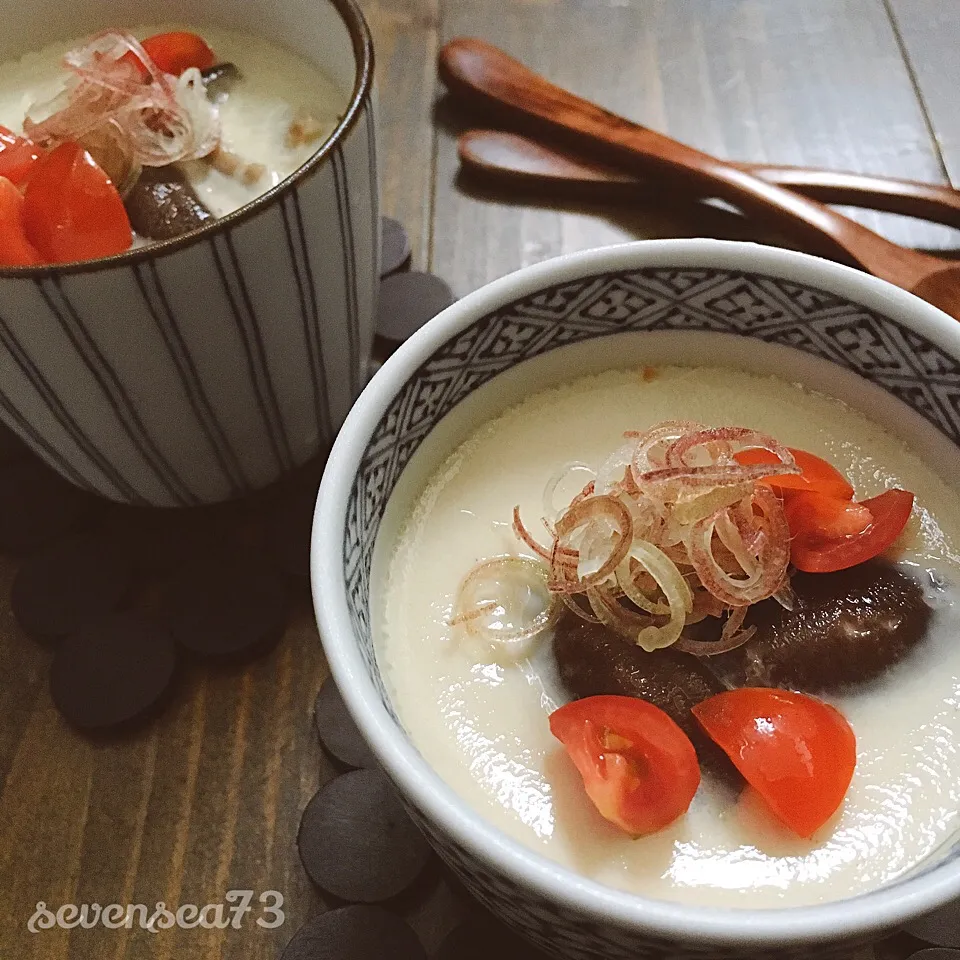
[[338, 733], [395, 248], [357, 842]]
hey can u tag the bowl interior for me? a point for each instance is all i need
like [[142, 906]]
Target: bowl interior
[[316, 29], [908, 382]]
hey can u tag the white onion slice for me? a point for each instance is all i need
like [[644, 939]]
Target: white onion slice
[[164, 118], [772, 561], [707, 504], [627, 581], [785, 596], [731, 637], [504, 606], [723, 442], [594, 548], [606, 531], [730, 537], [613, 470], [675, 589], [646, 455], [567, 600], [550, 509]]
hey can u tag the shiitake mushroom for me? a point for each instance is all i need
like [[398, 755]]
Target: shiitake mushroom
[[162, 204], [219, 80], [846, 628]]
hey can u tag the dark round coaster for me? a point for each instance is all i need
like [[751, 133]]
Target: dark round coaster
[[395, 246], [900, 946], [355, 933], [112, 672], [160, 540], [68, 585], [289, 526], [226, 605], [482, 937], [941, 928], [408, 301], [338, 733], [357, 842], [12, 448], [37, 505]]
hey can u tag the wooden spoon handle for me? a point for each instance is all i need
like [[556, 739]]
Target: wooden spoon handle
[[476, 69], [910, 198], [515, 159]]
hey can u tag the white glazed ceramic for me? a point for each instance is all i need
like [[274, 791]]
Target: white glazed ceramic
[[855, 336], [202, 368]]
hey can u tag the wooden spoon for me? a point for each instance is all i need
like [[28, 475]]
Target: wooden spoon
[[484, 73], [525, 163]]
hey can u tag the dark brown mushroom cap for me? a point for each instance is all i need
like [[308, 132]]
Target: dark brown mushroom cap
[[846, 628], [162, 204]]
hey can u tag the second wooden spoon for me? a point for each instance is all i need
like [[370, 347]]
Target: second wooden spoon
[[478, 70], [522, 162]]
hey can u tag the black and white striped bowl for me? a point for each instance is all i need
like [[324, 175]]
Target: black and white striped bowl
[[673, 301], [203, 368]]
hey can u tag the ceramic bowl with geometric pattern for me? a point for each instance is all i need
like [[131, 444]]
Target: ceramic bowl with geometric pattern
[[830, 327]]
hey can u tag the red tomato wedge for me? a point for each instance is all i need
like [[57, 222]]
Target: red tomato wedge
[[15, 249], [797, 752], [816, 549], [72, 211], [813, 516], [178, 51], [638, 767], [17, 156], [818, 475]]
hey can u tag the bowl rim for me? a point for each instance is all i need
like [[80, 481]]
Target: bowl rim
[[844, 919], [362, 44]]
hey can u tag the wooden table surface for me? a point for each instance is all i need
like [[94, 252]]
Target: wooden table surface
[[208, 798]]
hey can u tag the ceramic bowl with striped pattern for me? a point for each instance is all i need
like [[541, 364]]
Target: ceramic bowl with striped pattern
[[200, 369], [657, 302]]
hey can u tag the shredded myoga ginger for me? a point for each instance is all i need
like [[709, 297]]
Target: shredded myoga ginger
[[671, 529]]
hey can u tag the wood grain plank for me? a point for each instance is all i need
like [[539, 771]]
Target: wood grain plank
[[930, 33], [205, 800], [795, 81], [43, 815], [405, 41], [25, 663]]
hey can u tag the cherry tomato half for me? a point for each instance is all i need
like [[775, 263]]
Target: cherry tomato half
[[814, 552], [815, 517], [638, 767], [17, 156], [15, 249], [818, 475], [797, 752], [178, 51], [72, 211]]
